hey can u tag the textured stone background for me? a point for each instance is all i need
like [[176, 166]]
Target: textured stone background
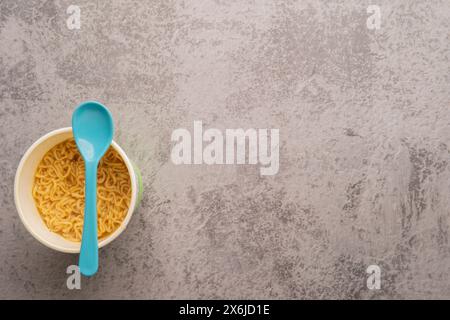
[[364, 125]]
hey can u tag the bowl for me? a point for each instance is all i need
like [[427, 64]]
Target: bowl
[[26, 206]]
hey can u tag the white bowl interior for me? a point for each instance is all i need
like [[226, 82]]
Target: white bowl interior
[[25, 203]]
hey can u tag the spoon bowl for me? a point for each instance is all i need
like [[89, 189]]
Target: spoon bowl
[[93, 131]]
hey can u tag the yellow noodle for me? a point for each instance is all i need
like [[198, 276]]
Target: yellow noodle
[[58, 191]]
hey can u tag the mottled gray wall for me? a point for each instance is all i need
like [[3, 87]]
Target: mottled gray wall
[[364, 125]]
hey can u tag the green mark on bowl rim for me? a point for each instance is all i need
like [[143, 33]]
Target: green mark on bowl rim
[[139, 183]]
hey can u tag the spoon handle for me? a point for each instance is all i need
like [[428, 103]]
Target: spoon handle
[[88, 261]]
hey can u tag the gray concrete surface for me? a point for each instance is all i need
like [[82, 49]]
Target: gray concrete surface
[[364, 125]]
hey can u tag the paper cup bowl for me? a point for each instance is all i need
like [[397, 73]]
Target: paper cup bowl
[[26, 206]]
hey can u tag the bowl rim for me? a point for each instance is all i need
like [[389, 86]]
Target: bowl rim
[[43, 240]]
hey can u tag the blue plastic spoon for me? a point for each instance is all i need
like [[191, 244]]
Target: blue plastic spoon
[[93, 130]]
